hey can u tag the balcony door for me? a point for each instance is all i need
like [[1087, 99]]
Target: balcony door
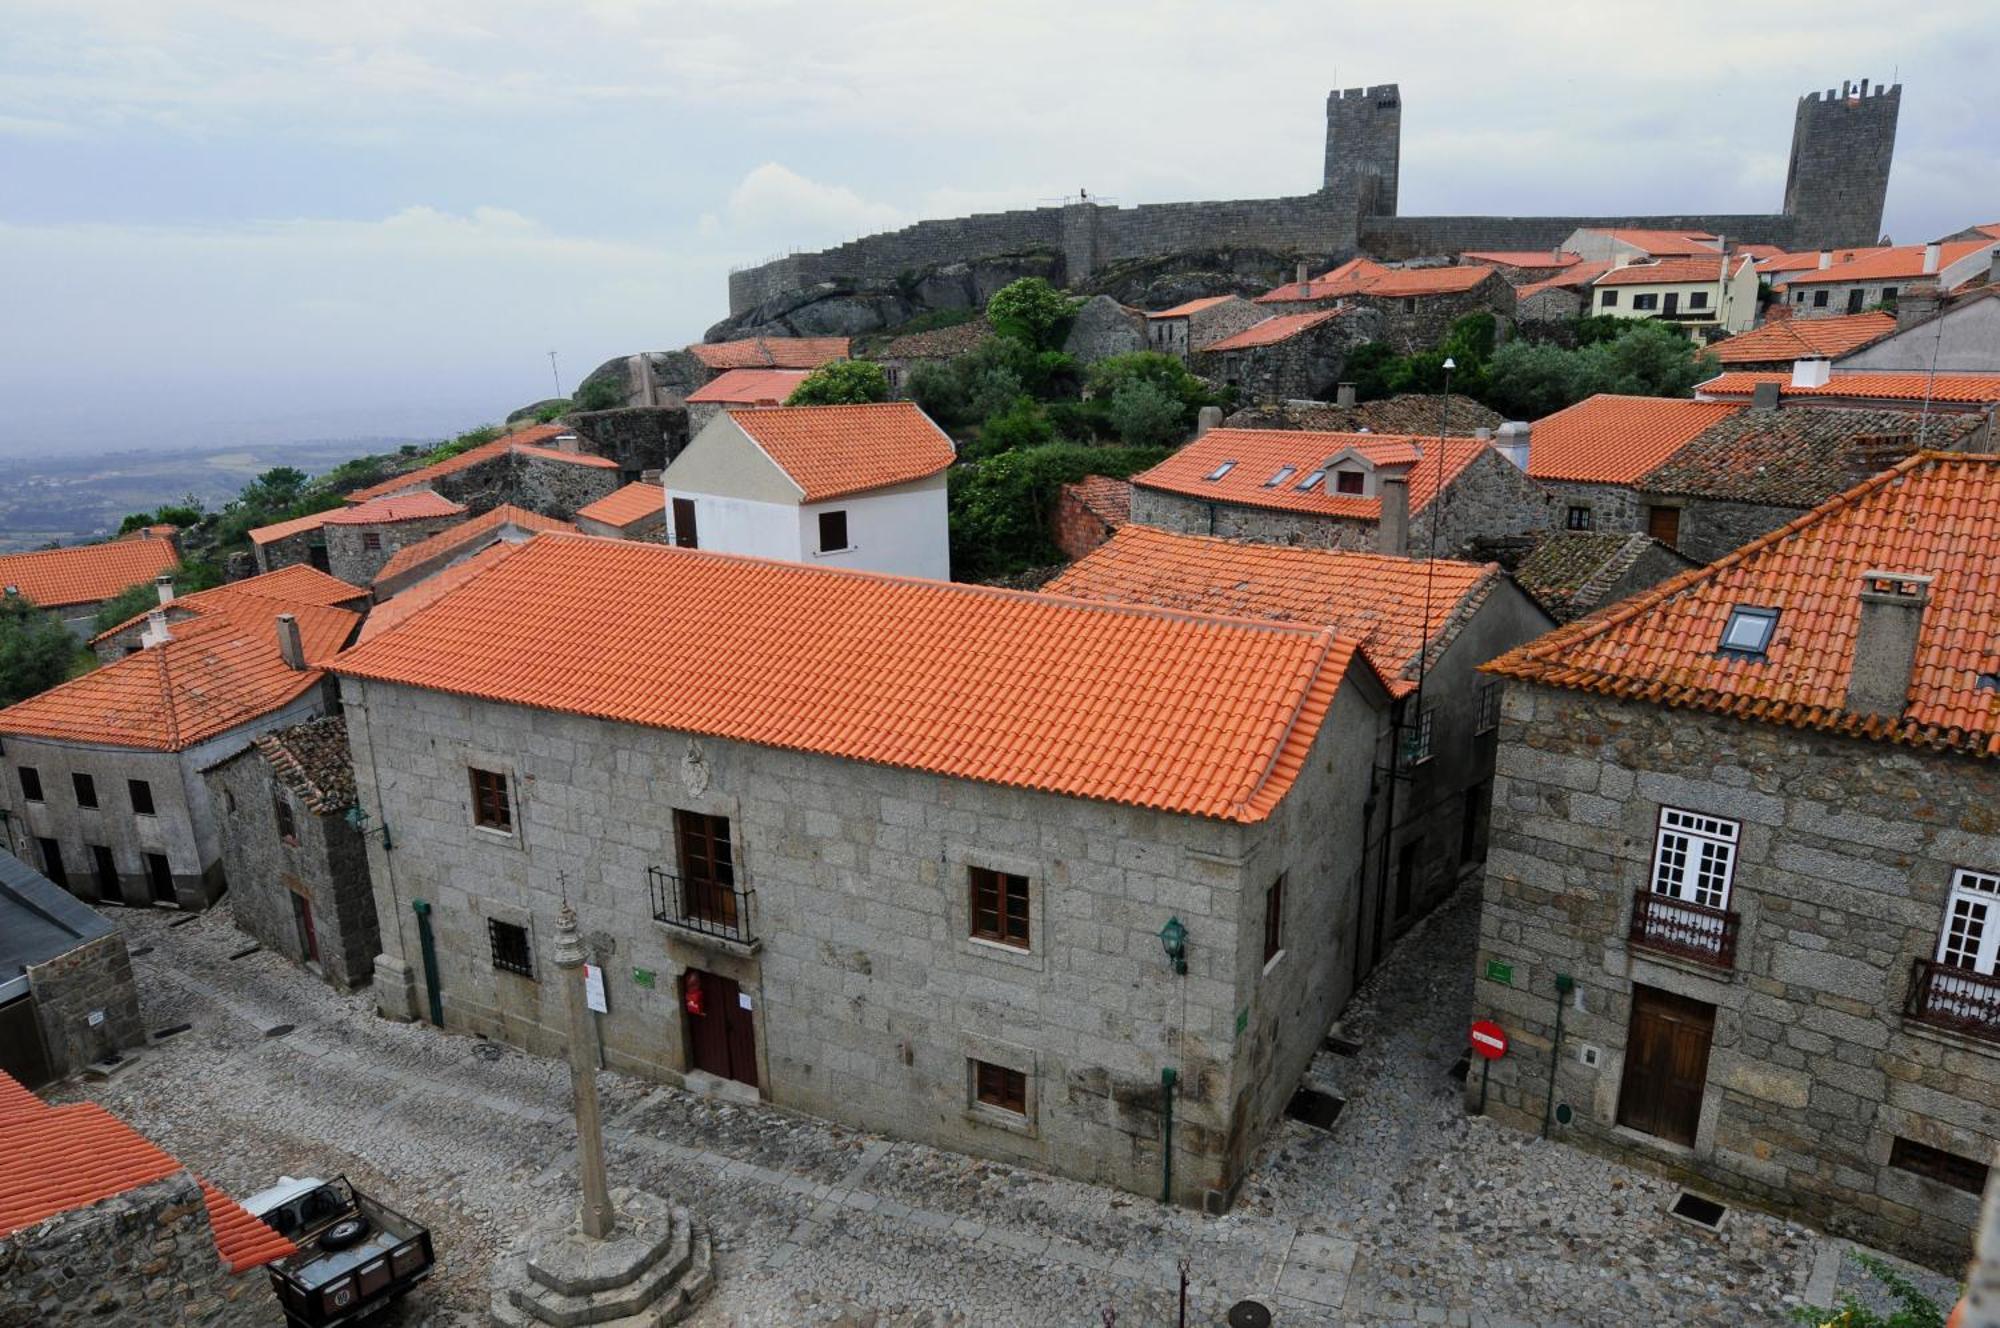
[[1666, 1064]]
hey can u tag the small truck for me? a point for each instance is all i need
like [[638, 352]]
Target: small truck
[[354, 1257]]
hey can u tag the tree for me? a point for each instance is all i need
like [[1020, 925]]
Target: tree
[[1146, 416], [999, 506], [36, 650], [1023, 424], [1115, 372], [841, 383], [1528, 380], [939, 392], [1032, 312], [127, 603], [277, 488], [599, 394]]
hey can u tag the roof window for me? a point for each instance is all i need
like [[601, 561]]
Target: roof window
[[1284, 473], [1311, 481], [1748, 631], [1220, 471]]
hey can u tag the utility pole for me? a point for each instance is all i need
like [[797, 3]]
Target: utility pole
[[553, 374]]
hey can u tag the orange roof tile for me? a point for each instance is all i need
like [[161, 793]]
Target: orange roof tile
[[1524, 257], [830, 451], [1666, 243], [1669, 271], [635, 502], [472, 456], [1796, 338], [1282, 327], [85, 573], [421, 505], [1371, 598], [1361, 277], [1808, 259], [1191, 307], [297, 584], [1903, 260], [1760, 252], [1110, 499], [590, 459], [431, 589], [1580, 275], [1259, 454], [770, 352], [1202, 716], [1609, 439], [1883, 386], [278, 530], [750, 387], [1934, 514], [457, 539]]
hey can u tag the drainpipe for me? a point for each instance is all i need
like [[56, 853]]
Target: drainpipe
[[1564, 985], [1167, 1078], [422, 908]]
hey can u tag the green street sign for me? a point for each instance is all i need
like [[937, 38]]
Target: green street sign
[[1499, 972], [642, 977], [1242, 1019]]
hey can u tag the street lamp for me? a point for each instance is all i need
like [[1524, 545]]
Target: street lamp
[[1173, 939], [359, 819]]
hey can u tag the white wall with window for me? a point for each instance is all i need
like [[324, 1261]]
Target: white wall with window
[[904, 530]]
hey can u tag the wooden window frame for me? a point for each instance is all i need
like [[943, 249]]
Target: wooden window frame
[[1006, 900], [371, 541], [1939, 1165], [1579, 517], [1489, 707], [1974, 903], [492, 802], [141, 791], [288, 826], [1274, 920], [81, 782], [1341, 480], [999, 1087], [31, 784], [519, 957], [706, 854]]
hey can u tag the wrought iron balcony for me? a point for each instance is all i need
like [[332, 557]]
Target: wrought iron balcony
[[1687, 931], [1954, 998], [719, 909]]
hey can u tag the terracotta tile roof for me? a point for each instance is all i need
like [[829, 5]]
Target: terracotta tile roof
[[1884, 386], [750, 387], [770, 352], [1524, 257], [1796, 338], [1191, 307], [1568, 571], [86, 573], [1417, 414], [455, 540], [1107, 498], [938, 343], [220, 670], [312, 760], [59, 1159], [278, 530], [418, 506], [1360, 277], [1260, 454], [1579, 276], [1932, 515], [587, 459], [1808, 259], [1666, 243], [1903, 260], [1370, 598], [1800, 457], [431, 589], [635, 502], [466, 460], [297, 584], [830, 451], [1609, 439], [1273, 330], [1760, 252], [1202, 716], [1670, 271]]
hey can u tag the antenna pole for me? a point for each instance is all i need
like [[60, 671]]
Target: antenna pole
[[553, 374]]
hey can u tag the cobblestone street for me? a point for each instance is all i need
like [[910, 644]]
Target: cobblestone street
[[1405, 1212]]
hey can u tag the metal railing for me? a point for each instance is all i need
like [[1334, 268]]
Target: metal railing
[[1954, 998], [1689, 931], [711, 908]]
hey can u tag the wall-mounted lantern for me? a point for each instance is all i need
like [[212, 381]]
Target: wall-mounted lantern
[[359, 819], [1173, 939]]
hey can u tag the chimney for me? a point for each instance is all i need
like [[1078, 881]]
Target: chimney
[[1915, 303], [1764, 396], [1206, 418], [1392, 535], [1483, 434], [164, 583], [1885, 642], [1811, 371], [568, 442], [291, 648], [156, 633], [1512, 442], [1932, 252], [1993, 266], [1343, 396], [1302, 275], [1825, 259]]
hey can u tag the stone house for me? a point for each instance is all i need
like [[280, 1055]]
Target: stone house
[[67, 997], [1961, 336], [1707, 295], [1592, 456], [880, 849], [1813, 382], [741, 389], [103, 1227], [938, 345], [1088, 513], [852, 486], [666, 377], [1558, 299], [1415, 306], [100, 781], [1744, 843], [1414, 414], [361, 539], [552, 469], [1628, 245], [637, 511], [1571, 573], [1426, 626], [1199, 324], [297, 868], [1877, 278], [1782, 342], [1340, 491], [412, 563], [74, 583], [1103, 328], [1286, 356]]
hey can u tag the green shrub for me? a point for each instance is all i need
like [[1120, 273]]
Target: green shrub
[[1000, 506], [552, 411], [841, 383], [1031, 312], [128, 603], [1913, 1309], [1023, 424], [36, 650], [599, 394], [1145, 415]]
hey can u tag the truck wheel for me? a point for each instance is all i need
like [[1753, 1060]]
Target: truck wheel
[[347, 1231]]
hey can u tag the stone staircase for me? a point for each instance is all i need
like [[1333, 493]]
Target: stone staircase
[[652, 1271]]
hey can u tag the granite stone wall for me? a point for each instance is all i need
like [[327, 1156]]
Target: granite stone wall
[[559, 488], [351, 560], [288, 551], [1307, 365], [1711, 527], [1838, 176], [93, 981], [638, 438], [1193, 516]]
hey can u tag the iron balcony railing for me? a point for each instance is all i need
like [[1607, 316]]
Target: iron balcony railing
[[1954, 998], [711, 908], [1689, 931]]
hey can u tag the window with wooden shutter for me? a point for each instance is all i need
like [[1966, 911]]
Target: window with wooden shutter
[[999, 906], [998, 1087], [708, 867], [490, 806]]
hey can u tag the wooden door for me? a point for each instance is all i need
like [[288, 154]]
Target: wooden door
[[1666, 1064], [302, 915], [1664, 525], [685, 534], [160, 876], [22, 1053], [722, 1038]]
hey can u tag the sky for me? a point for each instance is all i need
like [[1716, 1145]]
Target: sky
[[251, 221]]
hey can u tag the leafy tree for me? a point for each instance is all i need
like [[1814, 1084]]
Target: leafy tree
[[1023, 424], [127, 603], [1593, 328], [939, 391], [1165, 372], [1032, 312], [1146, 416], [1530, 379], [36, 650], [275, 489], [841, 383], [993, 391], [1368, 367], [185, 515], [1913, 1309], [1653, 359], [599, 394], [999, 506]]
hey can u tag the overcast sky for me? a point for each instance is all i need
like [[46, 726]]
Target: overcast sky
[[256, 220]]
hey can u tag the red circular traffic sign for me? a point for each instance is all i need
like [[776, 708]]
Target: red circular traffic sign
[[1489, 1039]]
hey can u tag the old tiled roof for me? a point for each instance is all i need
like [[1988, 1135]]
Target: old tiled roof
[[1376, 600], [1569, 571], [1259, 454], [1110, 500], [312, 760], [938, 343], [1933, 515], [770, 352], [1524, 257], [297, 584], [1191, 307], [1580, 275], [1669, 271], [418, 506], [472, 456], [750, 387], [1271, 331], [1359, 276], [1418, 414], [59, 1159], [456, 540], [588, 460], [278, 530], [1799, 457], [1609, 439], [1903, 260], [635, 502], [1972, 389], [85, 573], [1666, 243], [431, 589], [1797, 338], [1809, 258], [831, 451], [1200, 716]]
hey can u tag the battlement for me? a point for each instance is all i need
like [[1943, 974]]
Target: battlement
[[1852, 92], [1385, 95]]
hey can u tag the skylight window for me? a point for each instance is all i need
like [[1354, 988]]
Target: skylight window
[[1220, 470], [1311, 481], [1748, 631], [1284, 473]]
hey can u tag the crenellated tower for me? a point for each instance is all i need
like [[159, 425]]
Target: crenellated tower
[[1364, 146], [1838, 178]]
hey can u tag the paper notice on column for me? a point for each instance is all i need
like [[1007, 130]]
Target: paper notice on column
[[593, 988]]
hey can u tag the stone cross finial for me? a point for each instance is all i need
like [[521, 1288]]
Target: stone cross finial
[[569, 945]]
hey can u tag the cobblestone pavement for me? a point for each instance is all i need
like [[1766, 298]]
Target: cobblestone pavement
[[1406, 1212]]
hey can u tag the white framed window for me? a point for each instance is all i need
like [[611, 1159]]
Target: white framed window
[[1970, 938], [1489, 707], [1694, 858]]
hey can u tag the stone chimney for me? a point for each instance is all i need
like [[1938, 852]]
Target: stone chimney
[[1932, 253], [156, 633], [1513, 440], [291, 648], [568, 442], [1764, 396], [1344, 396], [1825, 259], [1885, 643], [1206, 418], [1483, 434], [1811, 371], [1392, 535], [164, 583], [1915, 303], [1302, 274]]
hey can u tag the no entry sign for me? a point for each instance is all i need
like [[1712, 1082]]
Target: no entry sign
[[1489, 1039]]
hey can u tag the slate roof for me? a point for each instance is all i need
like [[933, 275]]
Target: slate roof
[[297, 584], [770, 352], [1201, 716], [1799, 457], [453, 540], [1361, 277], [1801, 338], [312, 760], [86, 573], [1974, 389], [1569, 571], [1415, 414], [39, 919], [1934, 515], [832, 451], [1610, 439], [750, 387], [1259, 454], [939, 343], [1110, 500], [635, 502], [1371, 598], [1271, 331], [472, 456]]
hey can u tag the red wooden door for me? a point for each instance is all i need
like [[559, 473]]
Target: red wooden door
[[302, 914], [722, 1038], [1666, 1064], [1664, 525]]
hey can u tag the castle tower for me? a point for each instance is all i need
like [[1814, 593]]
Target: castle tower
[[1364, 143], [1839, 172]]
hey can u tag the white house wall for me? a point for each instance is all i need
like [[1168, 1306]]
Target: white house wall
[[903, 530]]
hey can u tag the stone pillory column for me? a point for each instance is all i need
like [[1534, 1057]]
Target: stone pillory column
[[597, 1217]]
